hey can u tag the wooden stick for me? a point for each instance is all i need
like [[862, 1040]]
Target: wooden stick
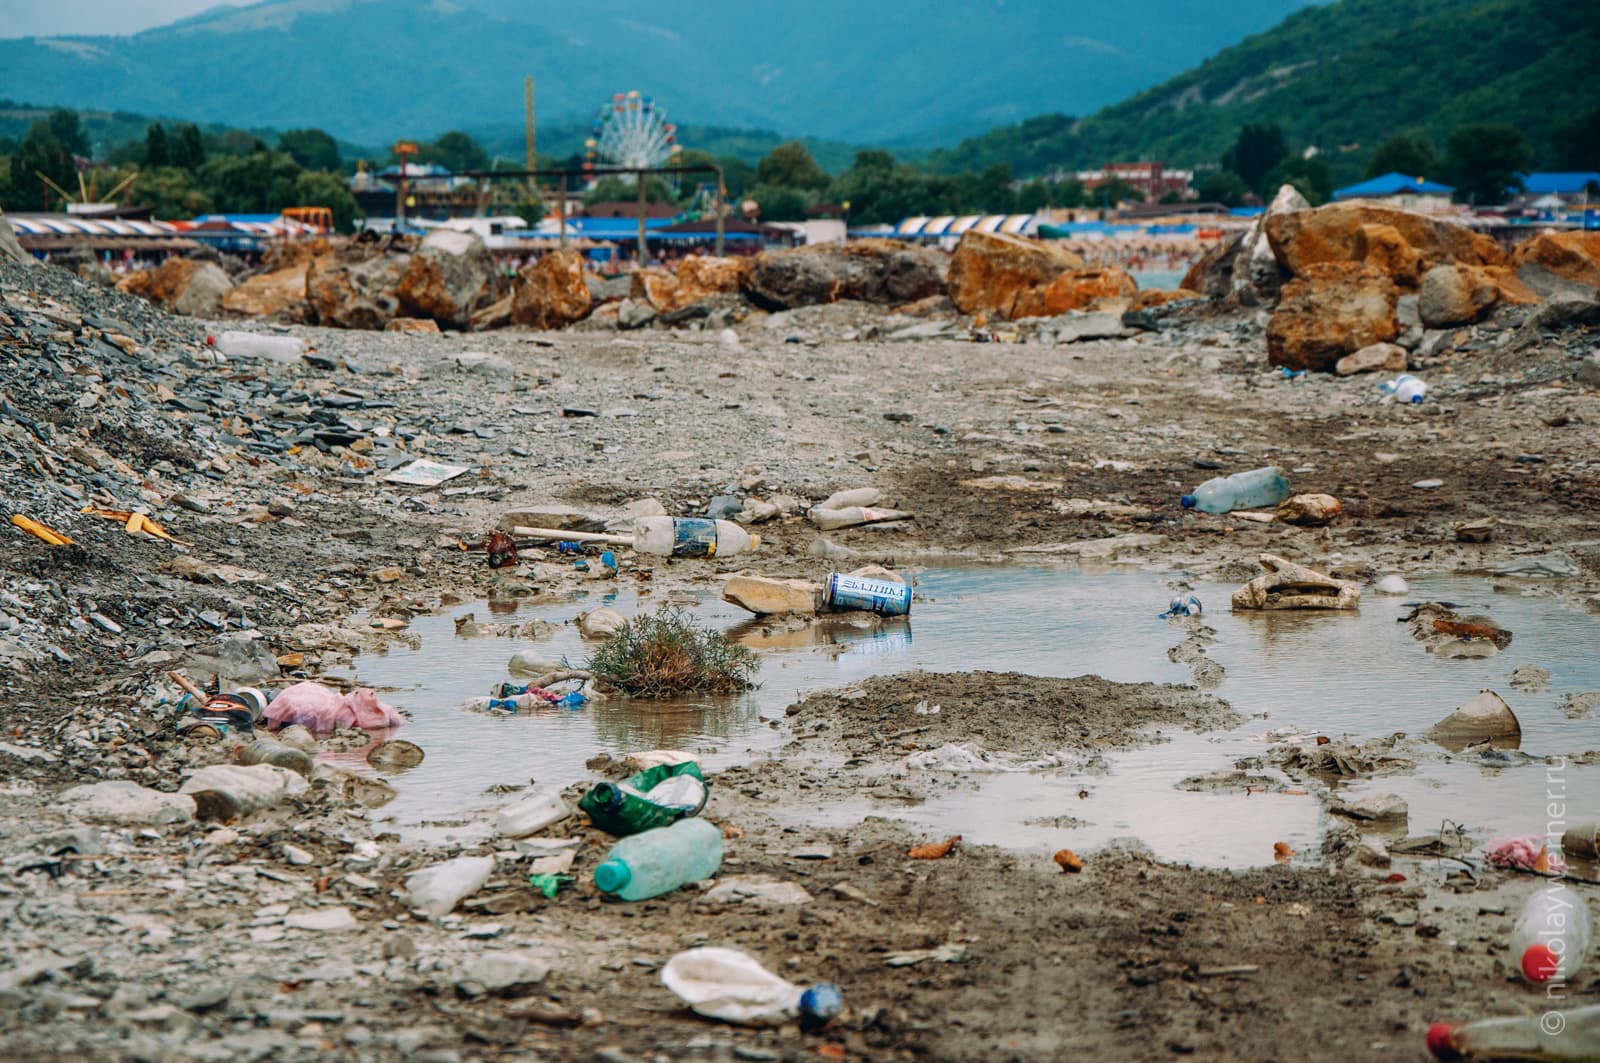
[[188, 684], [1226, 972], [572, 536]]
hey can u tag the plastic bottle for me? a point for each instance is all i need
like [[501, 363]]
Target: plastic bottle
[[881, 596], [691, 537], [1255, 489], [271, 751], [283, 349], [531, 814], [850, 516], [653, 798], [1182, 605], [659, 861], [1406, 389], [1552, 935], [732, 986], [1560, 1036]]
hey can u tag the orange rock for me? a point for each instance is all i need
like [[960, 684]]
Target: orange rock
[[1570, 256], [185, 285], [1383, 246], [992, 271], [1281, 852], [1455, 295], [887, 272], [1335, 309], [450, 275], [551, 293], [656, 287], [934, 850], [1073, 290], [495, 315], [412, 324], [359, 294], [1069, 861], [267, 294], [1304, 238], [1511, 288]]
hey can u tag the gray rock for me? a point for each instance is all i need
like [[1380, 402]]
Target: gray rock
[[501, 974], [634, 314], [1096, 326], [241, 660], [119, 801]]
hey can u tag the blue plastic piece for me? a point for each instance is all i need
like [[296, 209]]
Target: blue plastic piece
[[1182, 605]]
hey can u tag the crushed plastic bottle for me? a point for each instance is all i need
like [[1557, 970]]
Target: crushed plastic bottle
[[1255, 489], [1551, 938], [691, 537], [732, 986], [1406, 389], [1554, 1037], [1182, 605], [659, 861]]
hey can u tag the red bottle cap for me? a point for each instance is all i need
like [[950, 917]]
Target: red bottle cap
[[1442, 1041], [1540, 963]]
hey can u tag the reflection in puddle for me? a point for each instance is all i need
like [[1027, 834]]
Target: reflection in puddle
[[1342, 673]]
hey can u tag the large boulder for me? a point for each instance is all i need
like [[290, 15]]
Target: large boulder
[[1333, 309], [450, 275], [1074, 290], [184, 285], [357, 295], [1383, 246], [551, 293], [875, 271], [1336, 233], [992, 271], [1559, 263], [1245, 261], [10, 250], [1455, 295], [269, 294]]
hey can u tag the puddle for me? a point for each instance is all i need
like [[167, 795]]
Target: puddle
[[1357, 674]]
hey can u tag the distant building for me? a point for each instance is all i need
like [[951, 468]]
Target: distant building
[[1151, 179], [1398, 190], [1569, 188]]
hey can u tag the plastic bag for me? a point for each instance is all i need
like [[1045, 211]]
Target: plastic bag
[[322, 709], [650, 799]]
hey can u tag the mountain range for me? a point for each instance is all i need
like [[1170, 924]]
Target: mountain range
[[898, 73], [1340, 78]]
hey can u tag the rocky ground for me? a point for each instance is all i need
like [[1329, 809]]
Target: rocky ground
[[282, 935]]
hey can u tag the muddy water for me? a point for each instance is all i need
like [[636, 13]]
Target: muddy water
[[1357, 674]]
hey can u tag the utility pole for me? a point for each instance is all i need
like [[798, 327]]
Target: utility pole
[[722, 195], [529, 134], [644, 251]]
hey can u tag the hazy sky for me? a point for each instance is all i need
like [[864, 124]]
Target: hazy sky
[[48, 18]]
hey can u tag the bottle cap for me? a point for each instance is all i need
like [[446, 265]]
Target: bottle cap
[[1540, 963], [819, 1004], [611, 876], [1187, 501], [1442, 1041]]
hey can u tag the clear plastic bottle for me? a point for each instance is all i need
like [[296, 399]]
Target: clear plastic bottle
[[732, 986], [691, 537], [1559, 1036], [659, 861], [1406, 389], [1552, 935], [1255, 489]]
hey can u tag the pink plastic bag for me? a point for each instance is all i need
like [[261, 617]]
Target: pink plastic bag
[[321, 709]]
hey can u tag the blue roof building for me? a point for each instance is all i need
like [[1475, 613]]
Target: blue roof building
[[1559, 184], [1393, 184]]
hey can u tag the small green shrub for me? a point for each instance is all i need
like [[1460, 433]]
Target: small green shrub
[[667, 652]]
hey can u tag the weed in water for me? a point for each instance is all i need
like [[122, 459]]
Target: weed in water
[[666, 652]]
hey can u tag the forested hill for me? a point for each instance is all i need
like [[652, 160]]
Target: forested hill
[[1341, 77]]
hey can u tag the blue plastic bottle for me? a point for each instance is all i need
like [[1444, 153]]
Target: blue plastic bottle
[[659, 861], [1255, 489]]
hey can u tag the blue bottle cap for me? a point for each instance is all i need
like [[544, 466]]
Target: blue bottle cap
[[821, 1002], [611, 876], [1187, 501]]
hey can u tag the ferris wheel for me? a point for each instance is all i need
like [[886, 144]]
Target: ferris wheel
[[631, 132]]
